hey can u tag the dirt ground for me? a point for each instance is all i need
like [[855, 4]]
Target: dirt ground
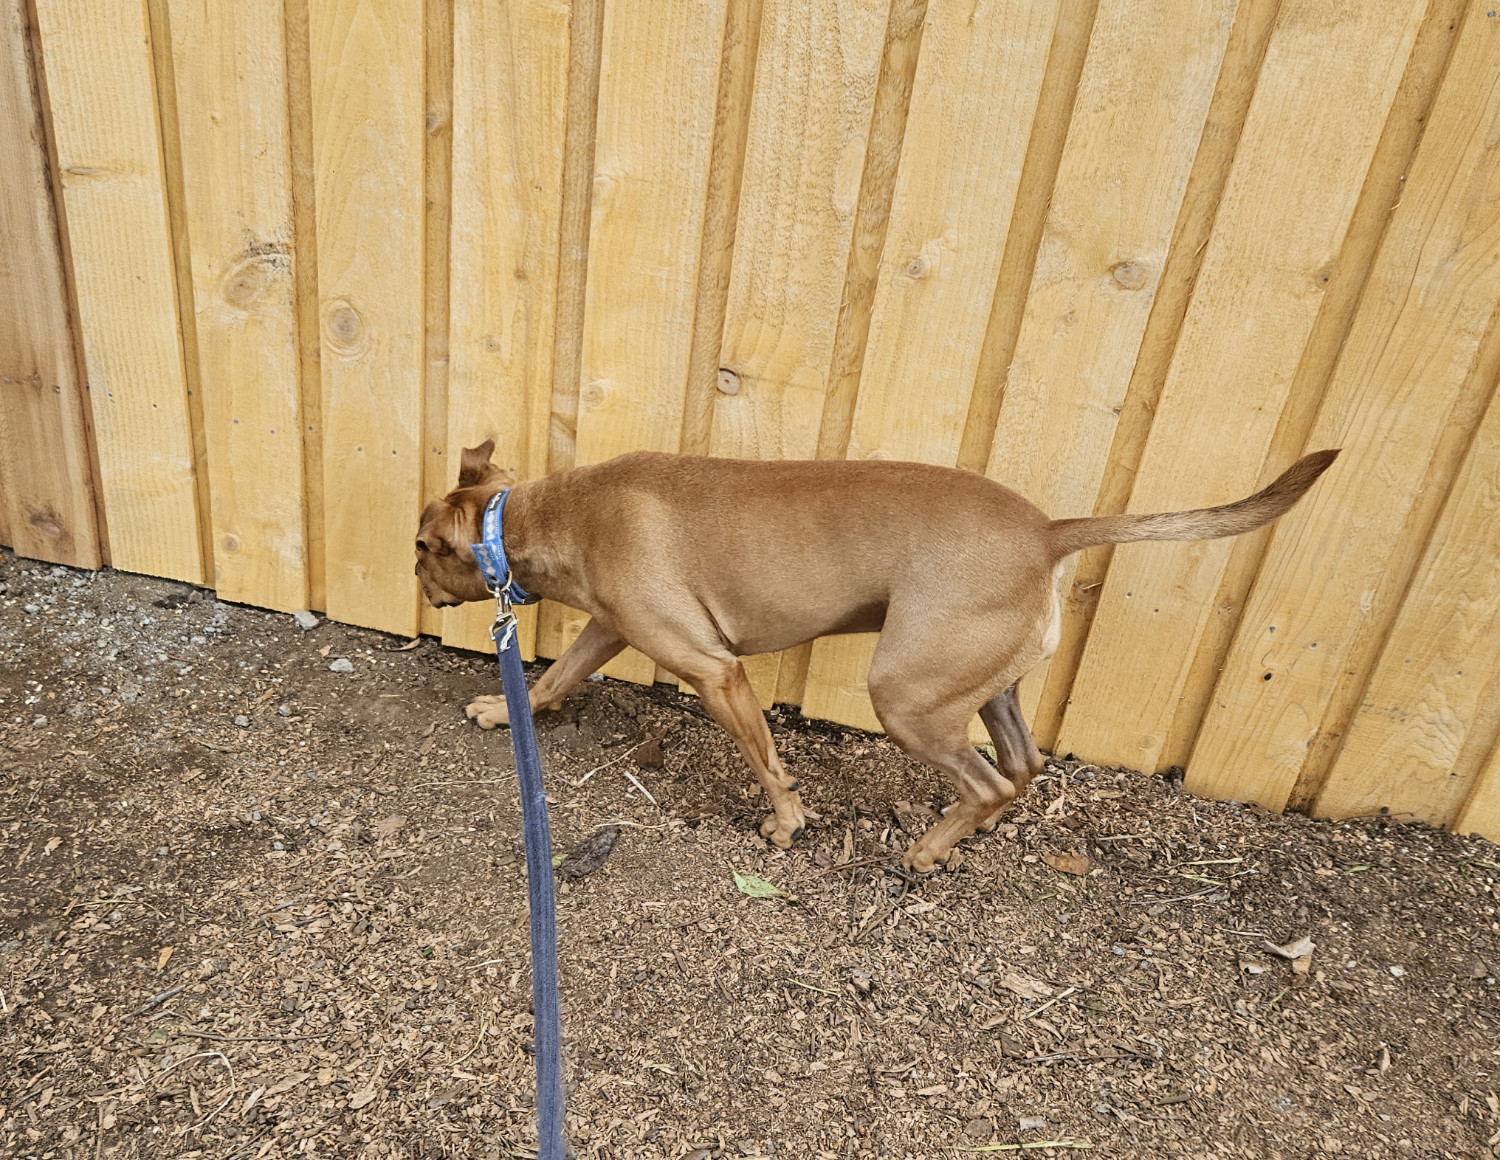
[[254, 907]]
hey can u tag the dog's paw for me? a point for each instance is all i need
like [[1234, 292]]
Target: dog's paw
[[487, 712], [781, 834], [922, 861]]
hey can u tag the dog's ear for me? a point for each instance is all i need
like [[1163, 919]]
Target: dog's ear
[[475, 464]]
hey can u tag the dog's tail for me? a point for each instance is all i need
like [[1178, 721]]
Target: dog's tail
[[1232, 519]]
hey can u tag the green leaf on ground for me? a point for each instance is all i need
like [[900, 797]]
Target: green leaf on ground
[[757, 887]]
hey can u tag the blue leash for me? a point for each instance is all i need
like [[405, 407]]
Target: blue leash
[[546, 1022]]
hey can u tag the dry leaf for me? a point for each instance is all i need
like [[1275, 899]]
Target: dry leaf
[[325, 650], [1025, 986], [1068, 863], [1300, 949], [360, 1099], [52, 844], [648, 754], [288, 1083], [161, 959], [589, 854], [388, 827]]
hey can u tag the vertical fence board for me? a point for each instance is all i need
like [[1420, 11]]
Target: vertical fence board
[[965, 143], [1421, 735], [305, 247], [1381, 190], [230, 69], [47, 508], [809, 124], [1105, 243], [510, 73], [437, 276], [101, 89], [1328, 78], [369, 144], [1323, 599], [651, 181]]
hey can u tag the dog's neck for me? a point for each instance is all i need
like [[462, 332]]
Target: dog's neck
[[535, 544]]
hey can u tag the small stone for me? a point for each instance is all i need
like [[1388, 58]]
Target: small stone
[[978, 1129], [31, 607], [341, 665], [305, 619], [1032, 1123], [1397, 972], [39, 722], [162, 851], [284, 710], [277, 846], [242, 721]]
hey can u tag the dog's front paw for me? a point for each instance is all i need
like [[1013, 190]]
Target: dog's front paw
[[487, 712], [782, 834], [921, 860]]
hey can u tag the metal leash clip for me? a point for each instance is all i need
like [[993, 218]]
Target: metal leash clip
[[505, 617]]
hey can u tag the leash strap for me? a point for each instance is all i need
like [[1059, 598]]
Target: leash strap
[[489, 554], [547, 1027]]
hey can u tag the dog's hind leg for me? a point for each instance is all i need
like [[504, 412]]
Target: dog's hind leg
[[594, 647], [1015, 752], [927, 682]]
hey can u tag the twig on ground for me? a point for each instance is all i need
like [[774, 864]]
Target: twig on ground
[[636, 782], [1058, 999], [860, 865], [158, 999], [612, 761], [1180, 898], [250, 1038]]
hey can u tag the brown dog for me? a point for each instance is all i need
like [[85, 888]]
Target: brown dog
[[698, 562]]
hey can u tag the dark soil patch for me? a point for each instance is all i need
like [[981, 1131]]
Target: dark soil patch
[[333, 862]]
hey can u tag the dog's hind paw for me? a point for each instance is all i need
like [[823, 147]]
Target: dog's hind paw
[[487, 712]]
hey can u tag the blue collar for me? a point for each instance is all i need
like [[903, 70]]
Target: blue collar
[[490, 555]]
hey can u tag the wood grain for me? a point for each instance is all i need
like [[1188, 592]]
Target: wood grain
[[230, 70], [1326, 594], [1481, 813], [102, 95], [46, 478], [510, 84], [964, 146], [1431, 716], [1113, 210], [1329, 75], [650, 187], [369, 146]]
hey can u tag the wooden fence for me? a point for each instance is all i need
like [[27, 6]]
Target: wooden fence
[[1119, 254]]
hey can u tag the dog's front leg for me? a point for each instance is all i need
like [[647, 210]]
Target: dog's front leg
[[726, 693], [593, 648]]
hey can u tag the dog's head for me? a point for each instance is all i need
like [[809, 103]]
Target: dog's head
[[445, 560]]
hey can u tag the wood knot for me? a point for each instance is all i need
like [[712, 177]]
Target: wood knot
[[346, 329], [247, 280], [916, 268], [729, 382], [592, 393], [229, 542], [45, 523], [1129, 275]]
